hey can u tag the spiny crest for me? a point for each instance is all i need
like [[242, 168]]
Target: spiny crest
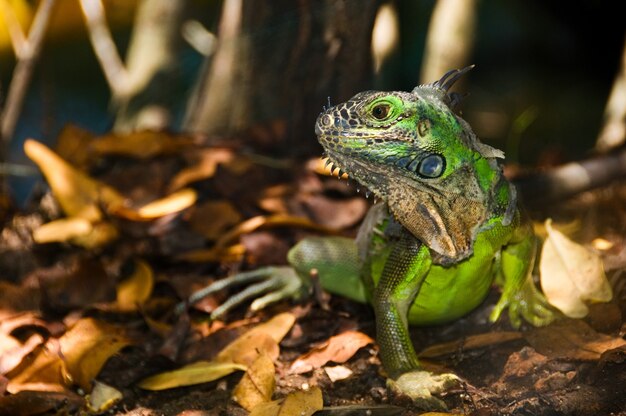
[[441, 87]]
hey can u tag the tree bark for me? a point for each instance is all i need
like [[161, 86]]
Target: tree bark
[[320, 48]]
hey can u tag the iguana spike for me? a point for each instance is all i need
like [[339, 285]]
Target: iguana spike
[[449, 78]]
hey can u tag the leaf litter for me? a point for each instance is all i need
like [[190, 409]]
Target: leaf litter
[[71, 323]]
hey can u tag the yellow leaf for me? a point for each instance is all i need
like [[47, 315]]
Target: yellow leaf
[[102, 397], [87, 346], [101, 234], [263, 338], [196, 373], [571, 274], [301, 403], [77, 194], [257, 385], [228, 254], [62, 230], [172, 203], [136, 289]]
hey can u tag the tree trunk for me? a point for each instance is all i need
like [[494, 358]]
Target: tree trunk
[[321, 49]]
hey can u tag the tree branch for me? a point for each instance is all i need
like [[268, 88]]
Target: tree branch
[[27, 58]]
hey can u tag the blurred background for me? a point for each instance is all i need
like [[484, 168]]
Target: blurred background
[[258, 72]]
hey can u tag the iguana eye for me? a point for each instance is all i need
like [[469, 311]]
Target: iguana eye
[[380, 111], [431, 166]]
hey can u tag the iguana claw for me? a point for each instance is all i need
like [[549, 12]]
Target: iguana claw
[[271, 284]]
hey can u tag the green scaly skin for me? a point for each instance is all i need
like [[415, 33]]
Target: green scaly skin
[[447, 227]]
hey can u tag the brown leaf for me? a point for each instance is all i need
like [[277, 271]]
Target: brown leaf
[[263, 338], [75, 284], [211, 219], [42, 370], [272, 221], [141, 144], [87, 346], [339, 348], [301, 403], [336, 213], [469, 343], [208, 160], [40, 402], [133, 291], [196, 373], [257, 385], [228, 254], [73, 145], [571, 339]]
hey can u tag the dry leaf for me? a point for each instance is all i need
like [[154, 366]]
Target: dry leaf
[[196, 373], [205, 168], [87, 346], [301, 403], [469, 343], [228, 254], [262, 221], [262, 339], [102, 397], [571, 274], [257, 385], [338, 372], [62, 230], [77, 194], [133, 291], [72, 145], [211, 219], [339, 348], [40, 403], [170, 204], [571, 339], [43, 370], [142, 144]]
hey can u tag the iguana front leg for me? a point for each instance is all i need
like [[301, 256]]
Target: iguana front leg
[[519, 293], [404, 271]]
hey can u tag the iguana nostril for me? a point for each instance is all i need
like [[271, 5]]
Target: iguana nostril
[[327, 120]]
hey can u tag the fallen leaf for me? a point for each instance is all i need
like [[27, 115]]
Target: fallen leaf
[[257, 385], [571, 275], [141, 144], [40, 402], [170, 204], [72, 145], [62, 230], [339, 348], [212, 218], [12, 351], [338, 372], [571, 339], [87, 346], [469, 343], [42, 370], [602, 244], [254, 223], [208, 160], [133, 291], [263, 338], [301, 403], [228, 254], [102, 397], [196, 373], [77, 194]]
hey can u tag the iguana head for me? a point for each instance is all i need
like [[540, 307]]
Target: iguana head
[[416, 154]]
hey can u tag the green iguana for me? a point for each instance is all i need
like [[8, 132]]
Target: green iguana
[[449, 224]]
